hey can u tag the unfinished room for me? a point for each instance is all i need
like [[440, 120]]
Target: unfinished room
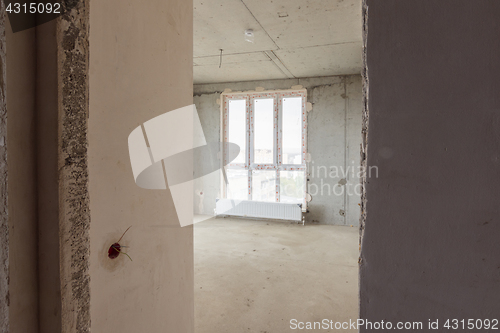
[[263, 166], [278, 91]]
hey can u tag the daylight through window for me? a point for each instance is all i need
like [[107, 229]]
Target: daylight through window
[[270, 129]]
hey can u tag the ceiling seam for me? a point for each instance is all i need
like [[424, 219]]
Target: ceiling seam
[[237, 53], [320, 45], [237, 63], [281, 66], [281, 49]]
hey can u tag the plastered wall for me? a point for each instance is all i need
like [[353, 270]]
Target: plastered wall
[[140, 67], [430, 245], [334, 140], [48, 186], [18, 140]]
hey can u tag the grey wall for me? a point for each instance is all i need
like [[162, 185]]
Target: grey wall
[[430, 246], [334, 139], [209, 186]]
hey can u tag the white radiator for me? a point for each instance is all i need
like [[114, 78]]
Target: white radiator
[[256, 209]]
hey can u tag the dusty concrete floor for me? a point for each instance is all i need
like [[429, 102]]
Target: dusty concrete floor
[[255, 276]]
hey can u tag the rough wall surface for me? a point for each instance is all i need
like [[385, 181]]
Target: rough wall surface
[[430, 245], [141, 65], [73, 64], [307, 83], [4, 213], [209, 186], [334, 140], [364, 128], [326, 144]]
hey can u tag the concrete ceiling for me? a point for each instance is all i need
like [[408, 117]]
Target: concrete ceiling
[[292, 39]]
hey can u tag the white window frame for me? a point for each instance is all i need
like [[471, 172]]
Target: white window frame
[[278, 165]]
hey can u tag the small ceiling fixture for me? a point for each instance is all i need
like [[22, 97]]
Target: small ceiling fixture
[[249, 37]]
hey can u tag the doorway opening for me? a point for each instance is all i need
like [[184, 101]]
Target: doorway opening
[[282, 80]]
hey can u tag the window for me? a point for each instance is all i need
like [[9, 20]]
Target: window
[[270, 129]]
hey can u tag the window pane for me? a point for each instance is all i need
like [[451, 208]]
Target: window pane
[[237, 127], [264, 131], [292, 130], [264, 185], [237, 187], [292, 186]]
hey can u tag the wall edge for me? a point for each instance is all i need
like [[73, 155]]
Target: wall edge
[[4, 216], [74, 202]]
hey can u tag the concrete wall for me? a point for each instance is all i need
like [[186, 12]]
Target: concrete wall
[[209, 185], [334, 140], [140, 67], [430, 241]]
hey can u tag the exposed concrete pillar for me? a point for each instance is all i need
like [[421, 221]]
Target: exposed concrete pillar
[[430, 240]]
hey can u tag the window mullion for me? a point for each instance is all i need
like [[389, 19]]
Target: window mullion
[[250, 140], [277, 140]]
